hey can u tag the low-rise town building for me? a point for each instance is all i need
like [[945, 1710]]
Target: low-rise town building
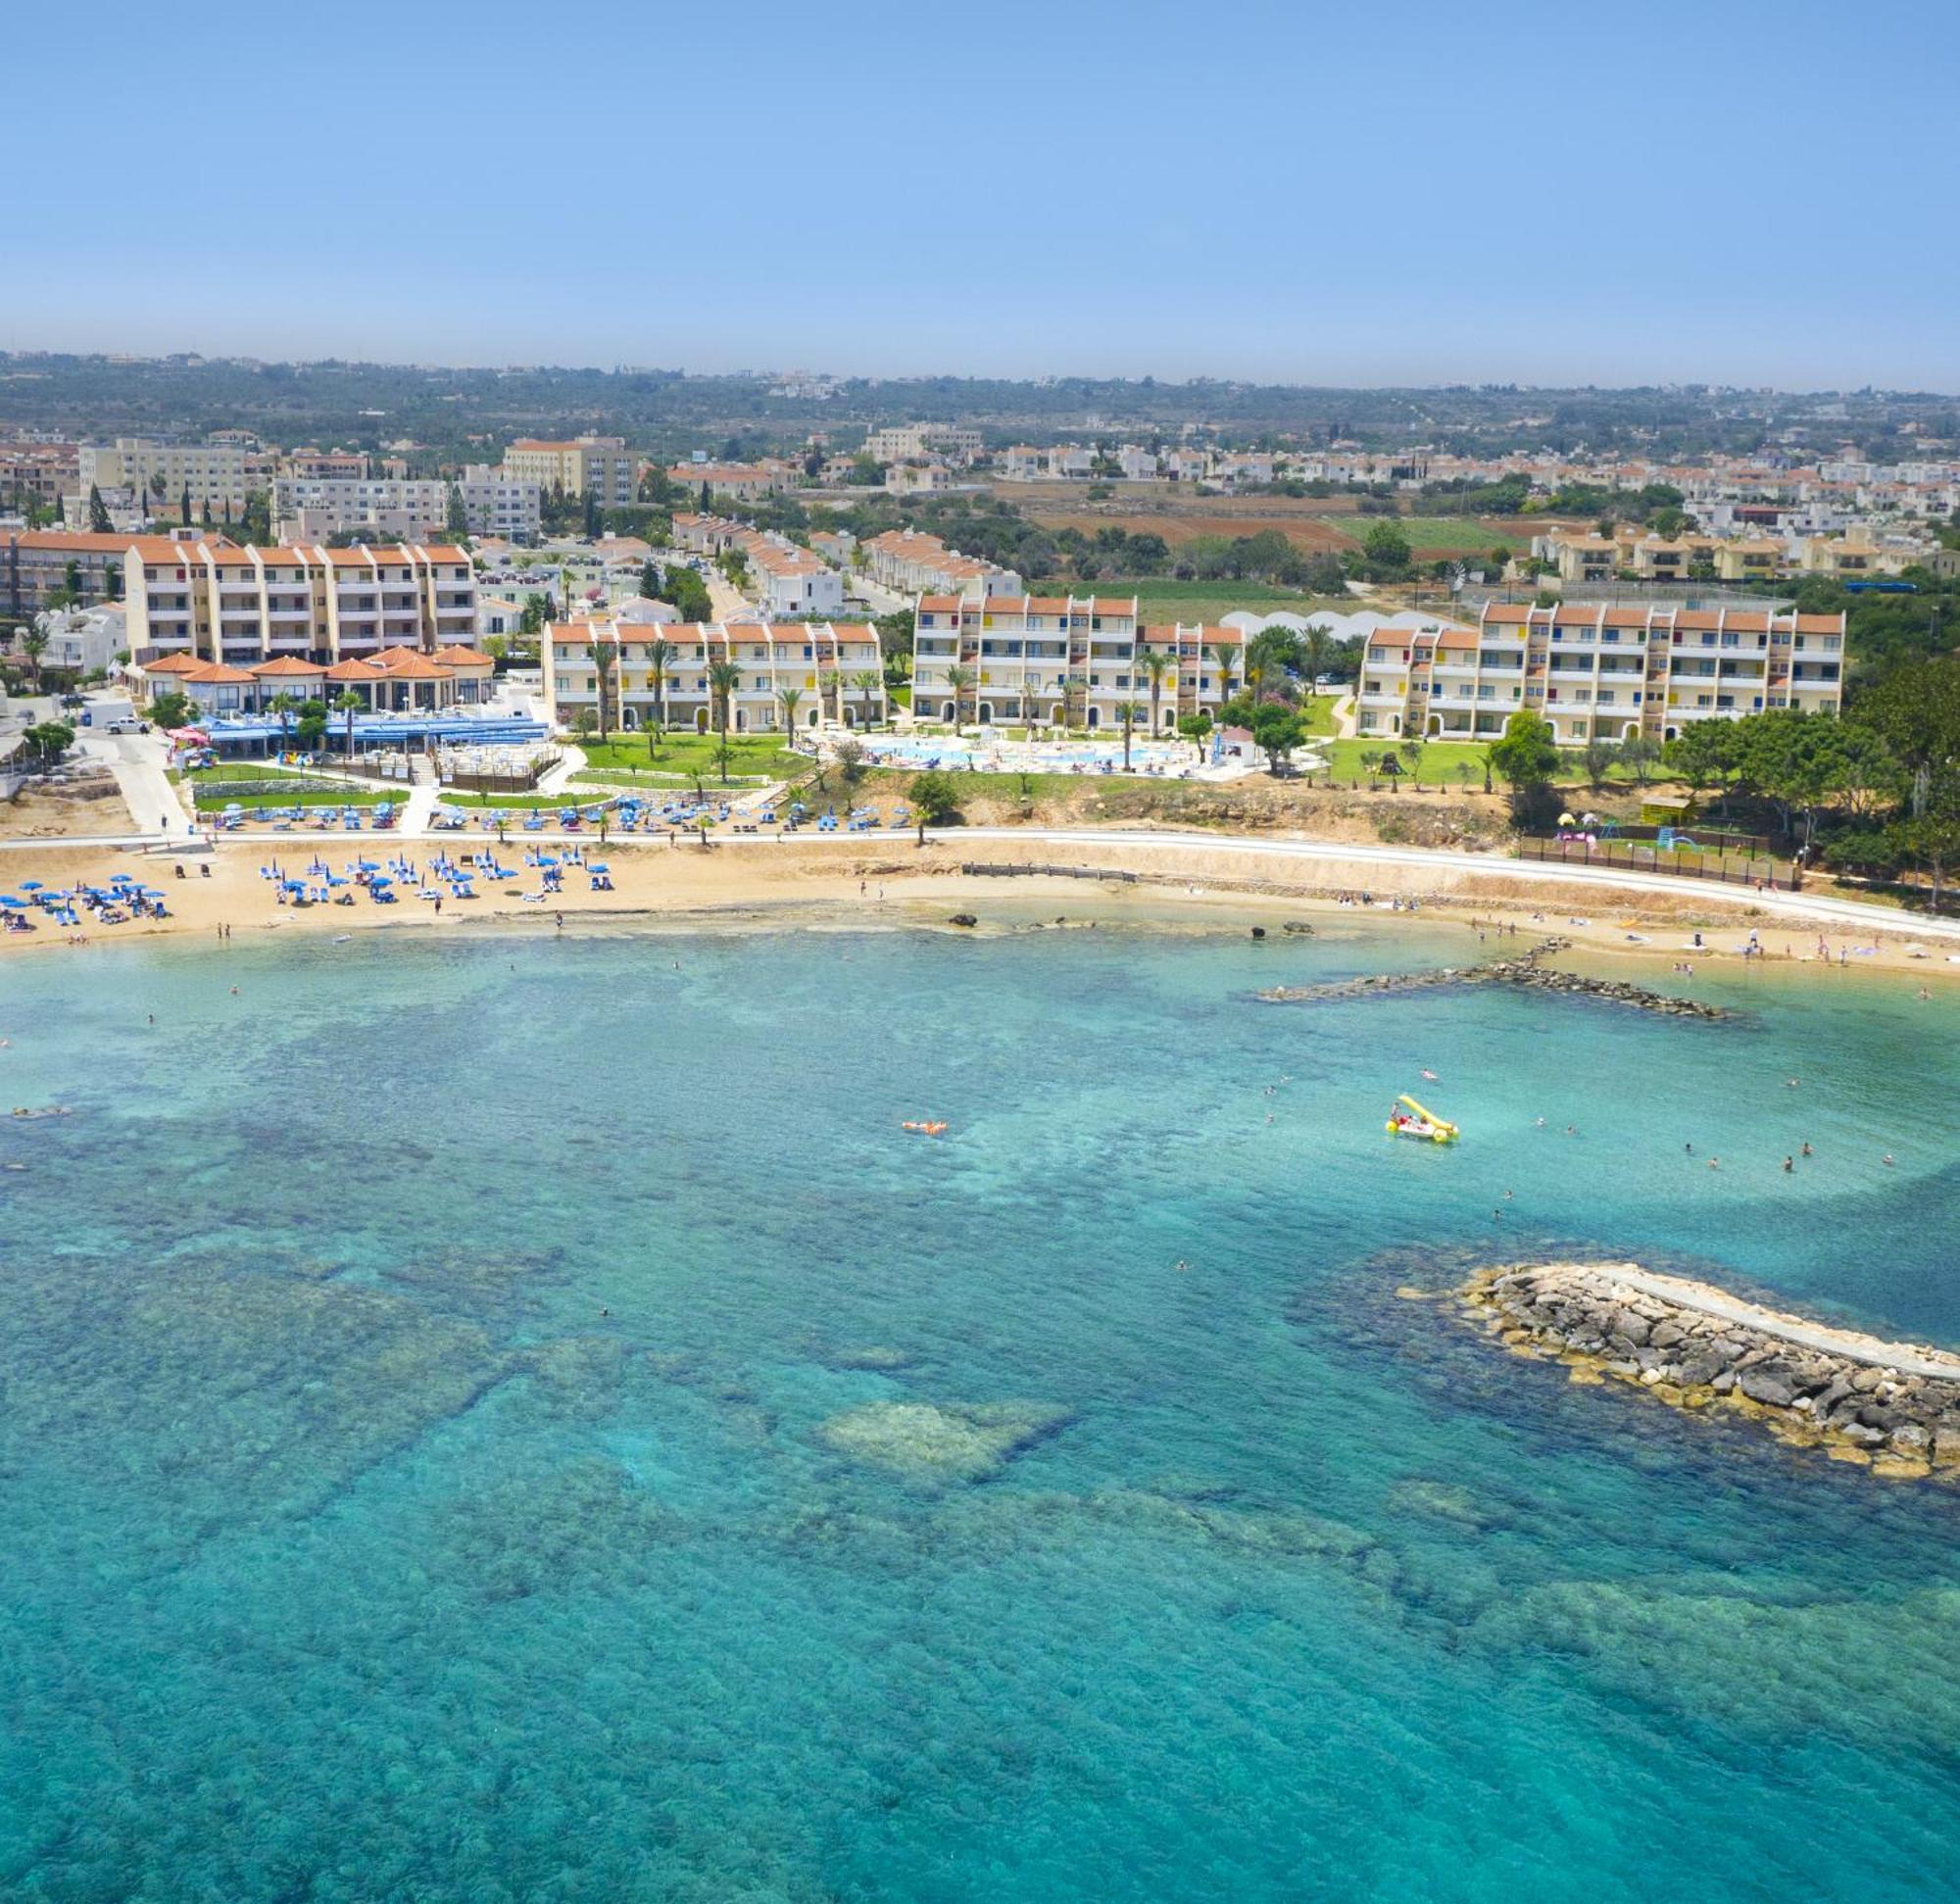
[[217, 475], [914, 563], [588, 465]]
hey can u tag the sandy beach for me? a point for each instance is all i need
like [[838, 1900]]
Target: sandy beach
[[836, 881]]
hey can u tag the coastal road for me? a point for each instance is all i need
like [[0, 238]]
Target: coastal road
[[1908, 1359], [1810, 909]]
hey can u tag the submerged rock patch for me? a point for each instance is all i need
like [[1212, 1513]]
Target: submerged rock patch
[[952, 1440]]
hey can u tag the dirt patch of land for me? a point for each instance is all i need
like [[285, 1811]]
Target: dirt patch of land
[[64, 813]]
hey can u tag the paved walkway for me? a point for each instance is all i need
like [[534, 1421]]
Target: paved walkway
[[1909, 1359], [140, 778]]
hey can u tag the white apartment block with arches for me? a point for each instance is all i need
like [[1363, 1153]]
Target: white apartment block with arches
[[833, 673], [1078, 659], [1595, 672]]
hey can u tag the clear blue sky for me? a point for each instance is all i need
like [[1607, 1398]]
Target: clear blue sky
[[1423, 192]]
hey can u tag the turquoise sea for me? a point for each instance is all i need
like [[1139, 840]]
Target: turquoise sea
[[514, 1418]]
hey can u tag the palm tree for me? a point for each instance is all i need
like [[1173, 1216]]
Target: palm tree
[[1157, 664], [959, 679], [660, 661], [1031, 702], [724, 678], [830, 686], [348, 704], [789, 697], [1318, 648], [33, 644], [1227, 657], [1071, 686], [867, 682], [603, 660], [1127, 712], [284, 706]]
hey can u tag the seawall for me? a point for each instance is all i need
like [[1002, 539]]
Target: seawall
[[1891, 1406]]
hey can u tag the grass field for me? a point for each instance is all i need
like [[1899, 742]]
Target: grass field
[[760, 756], [1440, 535]]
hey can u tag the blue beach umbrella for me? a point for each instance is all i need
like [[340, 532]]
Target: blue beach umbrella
[[30, 886]]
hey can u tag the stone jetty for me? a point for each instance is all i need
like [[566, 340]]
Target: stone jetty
[[1524, 970], [1891, 1406]]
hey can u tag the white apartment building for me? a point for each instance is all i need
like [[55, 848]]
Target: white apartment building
[[237, 606], [81, 641], [500, 505], [305, 507], [915, 562], [1075, 658], [217, 474], [912, 442], [835, 670], [1596, 672], [595, 466]]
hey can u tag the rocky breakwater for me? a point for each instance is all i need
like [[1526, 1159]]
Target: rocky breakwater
[[1524, 970], [1891, 1406]]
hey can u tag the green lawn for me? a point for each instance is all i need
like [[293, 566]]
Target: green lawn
[[762, 756]]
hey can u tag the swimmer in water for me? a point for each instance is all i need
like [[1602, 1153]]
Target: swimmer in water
[[1789, 1163], [1805, 1151]]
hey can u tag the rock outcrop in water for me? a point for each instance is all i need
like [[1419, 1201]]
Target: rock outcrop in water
[[1524, 970], [1891, 1406], [946, 1441]]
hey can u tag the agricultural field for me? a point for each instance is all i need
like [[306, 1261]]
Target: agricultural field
[[1434, 536], [1314, 525]]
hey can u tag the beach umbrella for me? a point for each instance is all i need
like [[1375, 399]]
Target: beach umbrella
[[30, 886], [16, 905], [1565, 819]]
